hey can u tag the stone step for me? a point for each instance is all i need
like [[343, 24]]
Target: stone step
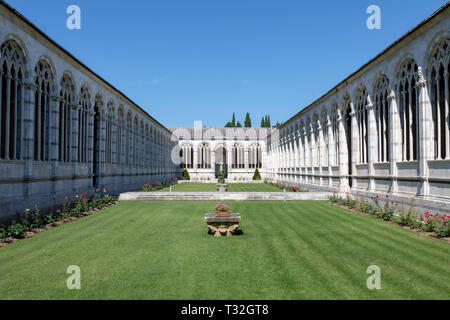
[[221, 196]]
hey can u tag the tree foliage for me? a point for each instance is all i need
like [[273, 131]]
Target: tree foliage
[[247, 121], [185, 175], [256, 175]]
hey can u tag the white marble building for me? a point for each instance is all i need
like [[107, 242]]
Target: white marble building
[[239, 150], [64, 129], [384, 129]]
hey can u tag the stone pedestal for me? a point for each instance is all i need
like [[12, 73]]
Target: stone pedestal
[[222, 226], [221, 187]]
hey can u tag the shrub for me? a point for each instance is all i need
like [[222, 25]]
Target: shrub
[[427, 222], [350, 202], [387, 213], [388, 210], [50, 219], [185, 175], [442, 228], [364, 206], [3, 234], [256, 175], [221, 178], [438, 223], [17, 230], [334, 198], [409, 217], [37, 220]]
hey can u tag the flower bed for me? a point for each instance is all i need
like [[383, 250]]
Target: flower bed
[[158, 186], [437, 224], [34, 221], [284, 186]]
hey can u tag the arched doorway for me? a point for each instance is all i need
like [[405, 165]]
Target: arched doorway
[[220, 155]]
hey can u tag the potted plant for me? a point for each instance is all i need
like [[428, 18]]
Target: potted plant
[[221, 185], [222, 210]]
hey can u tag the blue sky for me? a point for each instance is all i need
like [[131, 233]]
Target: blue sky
[[186, 60]]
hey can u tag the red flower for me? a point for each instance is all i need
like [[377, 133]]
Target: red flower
[[387, 196]]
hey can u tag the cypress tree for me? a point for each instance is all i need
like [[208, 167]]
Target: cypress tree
[[239, 125], [256, 175], [268, 122], [263, 123], [233, 121], [185, 175], [247, 121]]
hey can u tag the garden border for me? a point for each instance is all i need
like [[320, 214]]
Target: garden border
[[33, 232], [417, 230]]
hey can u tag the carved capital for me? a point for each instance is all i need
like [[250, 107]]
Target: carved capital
[[30, 86], [391, 96], [55, 98]]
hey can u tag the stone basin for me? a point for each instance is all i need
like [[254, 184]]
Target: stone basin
[[222, 226]]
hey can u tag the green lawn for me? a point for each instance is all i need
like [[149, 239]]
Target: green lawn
[[232, 187], [289, 250]]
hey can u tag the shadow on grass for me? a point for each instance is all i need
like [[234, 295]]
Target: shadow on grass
[[237, 232]]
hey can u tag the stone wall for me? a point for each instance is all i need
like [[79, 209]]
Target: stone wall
[[384, 129], [73, 131]]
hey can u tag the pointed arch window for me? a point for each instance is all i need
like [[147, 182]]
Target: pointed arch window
[[362, 115], [44, 83], [382, 91], [408, 108], [440, 64], [110, 140], [84, 107], [66, 119], [12, 67]]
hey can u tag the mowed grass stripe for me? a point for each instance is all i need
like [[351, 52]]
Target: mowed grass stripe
[[392, 233], [392, 252], [289, 250], [383, 230], [308, 263], [347, 278], [365, 245]]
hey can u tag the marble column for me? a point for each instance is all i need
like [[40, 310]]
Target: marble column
[[371, 138], [395, 140], [425, 141]]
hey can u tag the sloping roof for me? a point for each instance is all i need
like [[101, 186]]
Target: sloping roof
[[221, 133]]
